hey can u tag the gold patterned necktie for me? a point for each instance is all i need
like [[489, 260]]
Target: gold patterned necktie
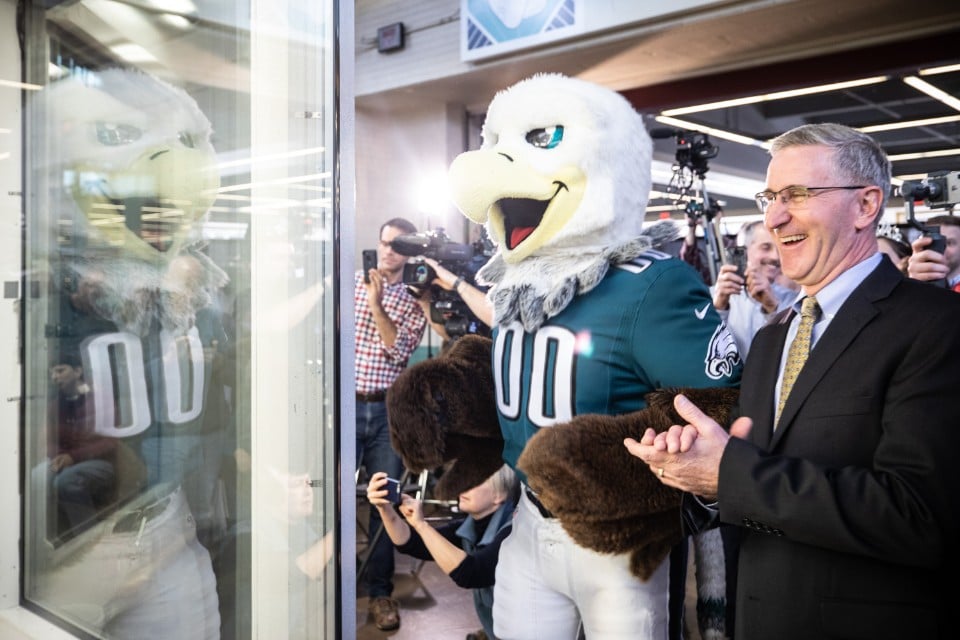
[[799, 350]]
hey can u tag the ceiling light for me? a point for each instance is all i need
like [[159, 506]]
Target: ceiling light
[[935, 70], [716, 133], [924, 154], [908, 124], [20, 85], [775, 96], [938, 94], [133, 53]]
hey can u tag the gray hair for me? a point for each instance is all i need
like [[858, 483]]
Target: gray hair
[[504, 481], [747, 231], [857, 156]]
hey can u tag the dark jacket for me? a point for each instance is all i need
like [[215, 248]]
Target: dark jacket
[[850, 509]]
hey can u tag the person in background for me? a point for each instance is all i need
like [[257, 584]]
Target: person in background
[[926, 264], [747, 301], [466, 550], [890, 242], [694, 253], [389, 326], [840, 469], [81, 462]]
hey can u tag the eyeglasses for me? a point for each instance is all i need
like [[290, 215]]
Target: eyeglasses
[[793, 195]]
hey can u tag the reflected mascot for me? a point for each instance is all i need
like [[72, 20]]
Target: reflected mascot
[[593, 322], [133, 174]]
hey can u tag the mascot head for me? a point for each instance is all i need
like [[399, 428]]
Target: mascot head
[[564, 167], [135, 168]]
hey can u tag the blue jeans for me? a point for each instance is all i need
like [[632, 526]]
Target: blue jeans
[[375, 454]]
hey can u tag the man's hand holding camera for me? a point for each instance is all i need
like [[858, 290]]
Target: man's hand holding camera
[[730, 282], [925, 263]]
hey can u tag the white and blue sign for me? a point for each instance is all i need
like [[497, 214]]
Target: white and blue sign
[[492, 27]]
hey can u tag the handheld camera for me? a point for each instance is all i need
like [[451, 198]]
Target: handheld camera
[[737, 256], [393, 492], [369, 262]]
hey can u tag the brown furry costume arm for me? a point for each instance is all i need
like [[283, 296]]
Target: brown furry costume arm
[[606, 499], [443, 411]]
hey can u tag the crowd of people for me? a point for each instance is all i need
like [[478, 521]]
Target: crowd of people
[[832, 489]]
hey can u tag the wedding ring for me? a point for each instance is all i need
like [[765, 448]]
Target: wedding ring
[[660, 472]]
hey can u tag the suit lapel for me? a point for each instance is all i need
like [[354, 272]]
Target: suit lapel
[[858, 310], [765, 380]]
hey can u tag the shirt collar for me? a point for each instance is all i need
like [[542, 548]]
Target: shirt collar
[[834, 294]]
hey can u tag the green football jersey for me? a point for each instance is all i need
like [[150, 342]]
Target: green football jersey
[[649, 324]]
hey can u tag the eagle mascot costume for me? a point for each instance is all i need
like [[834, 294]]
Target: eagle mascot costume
[[132, 172], [596, 330]]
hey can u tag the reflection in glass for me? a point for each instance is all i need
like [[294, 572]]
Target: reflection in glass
[[164, 264]]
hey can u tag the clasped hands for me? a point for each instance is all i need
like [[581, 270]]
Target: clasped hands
[[688, 457]]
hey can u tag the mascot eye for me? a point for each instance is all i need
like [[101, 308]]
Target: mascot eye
[[114, 134], [186, 139], [546, 138]]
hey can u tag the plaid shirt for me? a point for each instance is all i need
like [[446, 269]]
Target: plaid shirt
[[377, 364]]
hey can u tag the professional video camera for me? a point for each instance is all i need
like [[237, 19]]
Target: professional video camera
[[694, 149], [939, 190], [446, 307]]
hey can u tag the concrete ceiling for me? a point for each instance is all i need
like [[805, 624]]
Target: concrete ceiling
[[749, 48]]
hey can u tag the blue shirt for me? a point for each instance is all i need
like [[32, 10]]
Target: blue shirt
[[830, 299]]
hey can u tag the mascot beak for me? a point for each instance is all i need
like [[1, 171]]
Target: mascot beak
[[525, 208], [150, 204]]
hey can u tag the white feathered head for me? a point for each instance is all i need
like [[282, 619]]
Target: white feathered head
[[564, 169], [132, 163]]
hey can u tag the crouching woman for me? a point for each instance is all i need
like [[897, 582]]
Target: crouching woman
[[466, 550]]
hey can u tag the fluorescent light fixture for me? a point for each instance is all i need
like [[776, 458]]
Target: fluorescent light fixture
[[935, 70], [717, 183], [908, 124], [716, 133], [176, 21], [4, 155], [276, 182], [924, 154], [133, 52], [20, 85], [779, 95], [55, 71], [938, 94], [2, 130], [274, 156]]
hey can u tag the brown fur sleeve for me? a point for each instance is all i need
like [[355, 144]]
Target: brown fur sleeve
[[605, 498]]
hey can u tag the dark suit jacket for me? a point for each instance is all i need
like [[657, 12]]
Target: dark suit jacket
[[850, 509]]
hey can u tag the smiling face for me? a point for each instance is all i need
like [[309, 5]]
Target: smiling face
[[830, 232], [762, 254], [564, 166]]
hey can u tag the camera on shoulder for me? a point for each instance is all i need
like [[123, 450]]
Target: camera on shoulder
[[446, 307]]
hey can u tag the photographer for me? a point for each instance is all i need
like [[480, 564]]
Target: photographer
[[466, 550], [746, 299], [928, 265]]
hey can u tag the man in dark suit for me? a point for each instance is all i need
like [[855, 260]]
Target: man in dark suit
[[845, 491]]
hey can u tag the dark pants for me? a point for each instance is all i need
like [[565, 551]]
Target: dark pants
[[375, 454]]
